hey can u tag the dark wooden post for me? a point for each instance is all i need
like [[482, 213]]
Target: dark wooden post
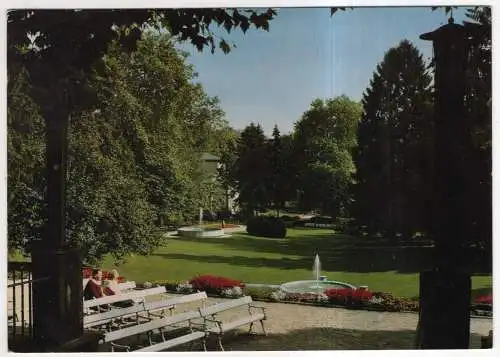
[[57, 302], [445, 291]]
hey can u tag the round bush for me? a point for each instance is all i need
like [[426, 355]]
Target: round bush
[[270, 227]]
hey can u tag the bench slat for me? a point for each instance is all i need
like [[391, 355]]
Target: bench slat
[[225, 306], [163, 304], [173, 342], [122, 297], [108, 316], [104, 317], [148, 326]]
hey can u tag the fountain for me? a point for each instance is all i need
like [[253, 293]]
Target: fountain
[[316, 286], [200, 231]]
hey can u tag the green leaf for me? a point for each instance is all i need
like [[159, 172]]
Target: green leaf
[[224, 46]]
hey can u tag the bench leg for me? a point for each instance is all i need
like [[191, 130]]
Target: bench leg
[[263, 329], [219, 337], [204, 341], [250, 329]]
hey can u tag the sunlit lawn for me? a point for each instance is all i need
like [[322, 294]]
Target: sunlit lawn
[[360, 261]]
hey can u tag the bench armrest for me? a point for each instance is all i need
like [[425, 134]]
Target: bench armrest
[[217, 322], [250, 307]]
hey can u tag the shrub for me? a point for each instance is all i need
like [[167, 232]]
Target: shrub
[[270, 227], [260, 293], [234, 292], [390, 303], [168, 284], [290, 221], [184, 288], [214, 284]]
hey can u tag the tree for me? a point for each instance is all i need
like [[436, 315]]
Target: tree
[[133, 159], [279, 170], [25, 153], [323, 140], [228, 151], [479, 119], [394, 157], [251, 170]]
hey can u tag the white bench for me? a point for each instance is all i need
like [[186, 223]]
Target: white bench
[[171, 303], [128, 285], [107, 318], [210, 315], [132, 295], [118, 315], [160, 324]]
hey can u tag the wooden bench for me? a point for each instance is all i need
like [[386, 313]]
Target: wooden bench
[[107, 318], [132, 295], [210, 316], [161, 325]]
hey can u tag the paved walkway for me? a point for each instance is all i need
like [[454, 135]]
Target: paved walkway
[[287, 317], [283, 319]]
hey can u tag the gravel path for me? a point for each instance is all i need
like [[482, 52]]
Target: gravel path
[[301, 327], [283, 318]]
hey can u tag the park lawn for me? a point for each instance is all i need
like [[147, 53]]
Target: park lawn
[[379, 264]]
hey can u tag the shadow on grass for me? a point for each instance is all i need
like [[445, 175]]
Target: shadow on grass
[[338, 252]]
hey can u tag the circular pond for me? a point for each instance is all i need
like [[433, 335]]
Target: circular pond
[[197, 232], [313, 286]]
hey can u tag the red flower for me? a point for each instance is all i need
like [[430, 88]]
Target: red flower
[[212, 283], [488, 299], [351, 296]]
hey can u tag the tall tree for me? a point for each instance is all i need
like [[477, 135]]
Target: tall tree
[[394, 154], [323, 141], [251, 170], [279, 170]]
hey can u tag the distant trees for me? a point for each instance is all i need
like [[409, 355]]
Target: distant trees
[[251, 170], [323, 141], [314, 161], [394, 156]]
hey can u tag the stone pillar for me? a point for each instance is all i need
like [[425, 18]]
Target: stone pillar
[[57, 302], [445, 291]]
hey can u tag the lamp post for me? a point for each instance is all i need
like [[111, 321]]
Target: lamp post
[[445, 290]]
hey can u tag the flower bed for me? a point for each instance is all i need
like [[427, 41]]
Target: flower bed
[[216, 285], [347, 298]]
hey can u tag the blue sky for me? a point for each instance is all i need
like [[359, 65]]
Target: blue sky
[[272, 77]]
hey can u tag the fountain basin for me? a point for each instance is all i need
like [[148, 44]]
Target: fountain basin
[[313, 286], [197, 232]]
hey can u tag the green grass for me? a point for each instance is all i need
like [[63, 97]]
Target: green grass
[[379, 264]]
